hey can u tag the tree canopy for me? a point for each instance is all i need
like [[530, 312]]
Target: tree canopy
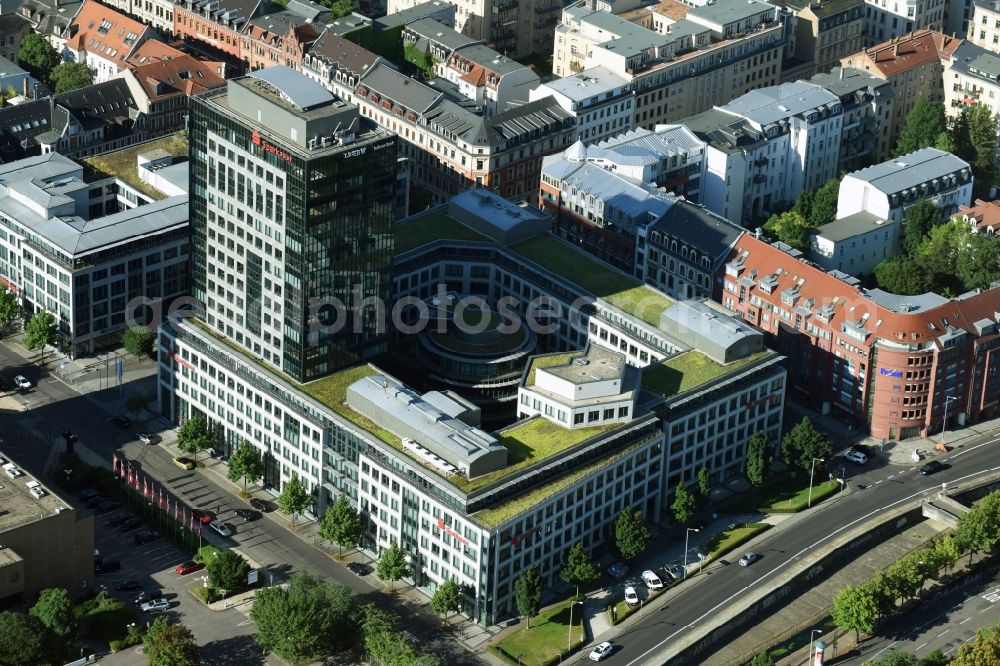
[[758, 460], [789, 227], [138, 341], [631, 533], [579, 569], [901, 275], [227, 570], [40, 331], [10, 309], [195, 436], [854, 608], [341, 524], [173, 645], [392, 565], [528, 593], [918, 220], [54, 610], [685, 504], [70, 76], [803, 444], [447, 598], [245, 463], [38, 56], [22, 639], [824, 204], [924, 123], [293, 497]]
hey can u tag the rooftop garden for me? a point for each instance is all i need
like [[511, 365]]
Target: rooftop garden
[[617, 288], [549, 361], [122, 163], [688, 371], [431, 226]]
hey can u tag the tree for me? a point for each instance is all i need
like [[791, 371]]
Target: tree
[[194, 436], [227, 570], [137, 404], [447, 598], [804, 202], [924, 123], [934, 658], [341, 524], [790, 227], [379, 639], [978, 261], [938, 253], [880, 589], [38, 56], [762, 659], [704, 483], [983, 650], [684, 505], [947, 552], [22, 639], [138, 341], [40, 331], [805, 443], [855, 608], [528, 593], [579, 569], [173, 645], [339, 8], [70, 76], [245, 462], [54, 610], [901, 275], [631, 533], [896, 658], [759, 459], [153, 632], [293, 497], [979, 528], [906, 577], [10, 309], [824, 205], [918, 220], [308, 620], [392, 565], [982, 135]]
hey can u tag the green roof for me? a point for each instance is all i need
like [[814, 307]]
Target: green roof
[[433, 225], [122, 163], [548, 361], [617, 288], [689, 370]]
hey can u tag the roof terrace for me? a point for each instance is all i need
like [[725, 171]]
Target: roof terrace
[[688, 371], [123, 163]]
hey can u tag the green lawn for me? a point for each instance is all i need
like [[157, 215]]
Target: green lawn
[[726, 541], [433, 225], [122, 163], [103, 617], [547, 638], [689, 370], [548, 361], [575, 266], [792, 495]]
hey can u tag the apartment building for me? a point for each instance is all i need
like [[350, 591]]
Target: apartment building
[[677, 67], [49, 18], [983, 217], [435, 40], [886, 190], [826, 31], [46, 543], [283, 37], [429, 485], [889, 364], [766, 147], [514, 28], [913, 65], [162, 88], [984, 25], [13, 28], [970, 77], [887, 19], [601, 102], [855, 244], [156, 13], [68, 249], [103, 39], [490, 79]]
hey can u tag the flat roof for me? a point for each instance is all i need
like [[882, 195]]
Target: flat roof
[[587, 83], [729, 11], [293, 86], [688, 370], [853, 225], [20, 507], [122, 163], [597, 364]]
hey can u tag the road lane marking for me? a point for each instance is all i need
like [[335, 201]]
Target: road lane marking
[[884, 649], [964, 621], [963, 452], [772, 572], [920, 647], [943, 633], [993, 596]]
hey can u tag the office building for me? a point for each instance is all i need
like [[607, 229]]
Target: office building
[[888, 364], [44, 542], [887, 189]]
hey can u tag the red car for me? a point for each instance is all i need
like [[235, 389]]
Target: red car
[[187, 567], [203, 517]]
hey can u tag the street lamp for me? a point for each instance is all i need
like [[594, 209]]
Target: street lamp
[[944, 423], [812, 470], [686, 536]]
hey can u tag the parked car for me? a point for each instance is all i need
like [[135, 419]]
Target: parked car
[[202, 516], [118, 518], [107, 566], [148, 438], [184, 463], [618, 570], [676, 571], [221, 528], [863, 448], [98, 557], [185, 568], [358, 568], [127, 585], [22, 382], [144, 537], [601, 651], [144, 596], [651, 580], [121, 421], [856, 457], [131, 524], [933, 467], [248, 514], [108, 505], [160, 604], [261, 505], [631, 597], [749, 558]]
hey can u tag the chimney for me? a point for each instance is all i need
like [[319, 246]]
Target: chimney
[[895, 50], [841, 73], [25, 86]]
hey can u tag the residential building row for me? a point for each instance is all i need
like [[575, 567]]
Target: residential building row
[[825, 32], [889, 364]]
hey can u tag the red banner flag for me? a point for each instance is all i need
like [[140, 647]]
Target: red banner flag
[[136, 473], [192, 521], [177, 510], [114, 463], [145, 487], [163, 498], [123, 469]]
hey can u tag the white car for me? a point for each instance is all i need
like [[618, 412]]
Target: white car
[[856, 457], [221, 528], [601, 651], [22, 382], [631, 598], [155, 605], [147, 438], [651, 580]]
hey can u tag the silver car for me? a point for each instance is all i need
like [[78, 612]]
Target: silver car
[[222, 528], [155, 605]]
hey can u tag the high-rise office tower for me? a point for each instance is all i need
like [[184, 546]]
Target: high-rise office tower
[[292, 204]]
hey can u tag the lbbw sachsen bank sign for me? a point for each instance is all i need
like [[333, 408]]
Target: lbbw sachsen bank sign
[[268, 148]]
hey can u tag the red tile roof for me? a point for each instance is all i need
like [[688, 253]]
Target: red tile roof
[[852, 304], [910, 51], [104, 32], [152, 50], [181, 74], [986, 215]]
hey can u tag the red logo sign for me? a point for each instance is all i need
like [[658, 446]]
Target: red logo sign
[[256, 140], [450, 532]]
